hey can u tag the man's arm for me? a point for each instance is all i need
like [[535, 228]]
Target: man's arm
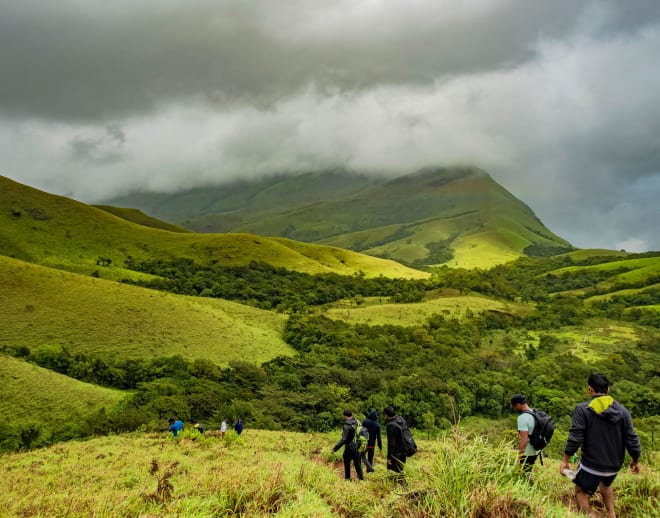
[[523, 439], [390, 443], [633, 445], [575, 437], [344, 438]]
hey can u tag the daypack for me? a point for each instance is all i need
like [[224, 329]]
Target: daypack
[[409, 445], [544, 427], [362, 439]]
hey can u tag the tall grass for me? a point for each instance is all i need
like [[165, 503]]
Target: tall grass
[[287, 474]]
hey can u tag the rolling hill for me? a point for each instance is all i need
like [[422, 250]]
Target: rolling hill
[[457, 216], [62, 233], [45, 306], [39, 396]]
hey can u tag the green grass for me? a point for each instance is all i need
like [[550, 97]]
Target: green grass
[[290, 475], [33, 394], [41, 305], [374, 311], [62, 233], [640, 269]]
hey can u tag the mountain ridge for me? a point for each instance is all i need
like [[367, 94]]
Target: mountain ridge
[[414, 219]]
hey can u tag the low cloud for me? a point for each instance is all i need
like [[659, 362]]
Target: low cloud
[[558, 101]]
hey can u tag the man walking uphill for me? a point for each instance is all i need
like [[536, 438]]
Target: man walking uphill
[[350, 446], [603, 428]]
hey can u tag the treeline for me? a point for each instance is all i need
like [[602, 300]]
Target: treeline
[[269, 287], [527, 279], [433, 374]]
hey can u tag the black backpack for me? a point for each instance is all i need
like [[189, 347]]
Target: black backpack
[[544, 427], [409, 445]]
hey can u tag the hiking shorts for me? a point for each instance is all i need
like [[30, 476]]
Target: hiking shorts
[[527, 461], [589, 482]]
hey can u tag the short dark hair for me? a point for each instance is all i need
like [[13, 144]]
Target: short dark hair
[[599, 383], [518, 399], [170, 420], [389, 411], [348, 413]]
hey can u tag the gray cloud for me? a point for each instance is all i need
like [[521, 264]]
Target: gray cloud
[[558, 100]]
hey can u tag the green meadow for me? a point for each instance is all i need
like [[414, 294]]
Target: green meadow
[[100, 317], [631, 270], [375, 311], [39, 397]]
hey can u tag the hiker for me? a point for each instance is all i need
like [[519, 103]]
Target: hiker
[[396, 455], [176, 426], [347, 440], [197, 426], [603, 429], [527, 454], [371, 423], [223, 427], [238, 426]]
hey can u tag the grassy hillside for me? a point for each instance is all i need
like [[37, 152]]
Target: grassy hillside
[[375, 312], [46, 306], [39, 396], [289, 474], [59, 232], [618, 276], [461, 208], [456, 215]]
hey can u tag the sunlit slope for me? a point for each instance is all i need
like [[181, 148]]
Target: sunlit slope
[[623, 276], [63, 233], [33, 394], [374, 311], [40, 305]]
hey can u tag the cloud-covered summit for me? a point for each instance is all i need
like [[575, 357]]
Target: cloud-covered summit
[[557, 100]]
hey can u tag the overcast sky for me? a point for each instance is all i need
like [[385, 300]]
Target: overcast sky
[[558, 100]]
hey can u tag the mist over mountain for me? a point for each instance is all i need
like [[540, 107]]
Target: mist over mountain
[[454, 215]]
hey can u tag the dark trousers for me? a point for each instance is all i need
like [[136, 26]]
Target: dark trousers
[[527, 462], [356, 458], [396, 465], [366, 461], [370, 454]]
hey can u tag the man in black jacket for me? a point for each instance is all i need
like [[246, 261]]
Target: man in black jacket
[[350, 447], [396, 454], [371, 423], [603, 428]]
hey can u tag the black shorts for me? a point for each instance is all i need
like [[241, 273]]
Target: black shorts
[[527, 461], [589, 482]]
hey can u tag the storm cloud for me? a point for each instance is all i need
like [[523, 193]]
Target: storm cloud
[[557, 100]]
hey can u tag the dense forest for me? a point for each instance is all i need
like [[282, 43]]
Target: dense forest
[[435, 373]]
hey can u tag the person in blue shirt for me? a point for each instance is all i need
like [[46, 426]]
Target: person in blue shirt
[[238, 426], [176, 426], [527, 455]]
